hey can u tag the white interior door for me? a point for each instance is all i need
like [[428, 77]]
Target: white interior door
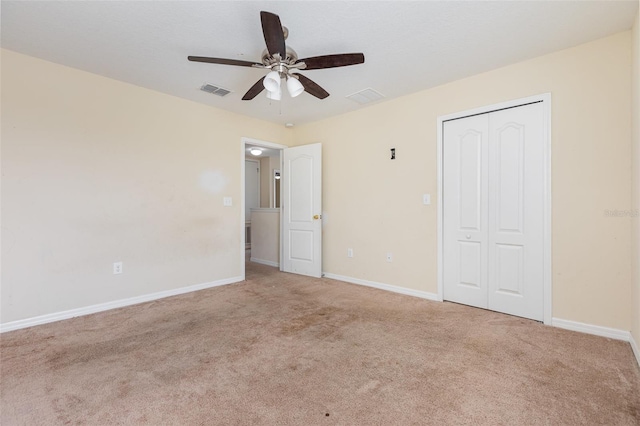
[[494, 211], [302, 210]]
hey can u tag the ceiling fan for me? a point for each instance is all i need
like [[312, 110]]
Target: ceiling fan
[[282, 61]]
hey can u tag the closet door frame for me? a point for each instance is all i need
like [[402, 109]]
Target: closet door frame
[[545, 99]]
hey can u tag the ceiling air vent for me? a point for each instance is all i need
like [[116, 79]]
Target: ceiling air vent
[[365, 96], [210, 88]]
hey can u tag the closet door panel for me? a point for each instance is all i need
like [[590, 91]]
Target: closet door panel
[[465, 210], [516, 216]]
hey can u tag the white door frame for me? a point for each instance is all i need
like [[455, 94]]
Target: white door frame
[[545, 98], [243, 150]]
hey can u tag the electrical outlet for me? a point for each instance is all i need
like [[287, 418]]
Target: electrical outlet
[[117, 268], [349, 252], [389, 257]]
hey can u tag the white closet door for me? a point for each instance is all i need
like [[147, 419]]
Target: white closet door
[[494, 211], [465, 206], [516, 203]]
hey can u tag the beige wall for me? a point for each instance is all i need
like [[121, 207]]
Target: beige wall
[[96, 171], [635, 158], [374, 205]]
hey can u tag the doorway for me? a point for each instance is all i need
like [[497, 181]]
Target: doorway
[[494, 208], [260, 160], [296, 182]]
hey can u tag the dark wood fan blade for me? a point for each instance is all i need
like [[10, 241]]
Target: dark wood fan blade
[[254, 91], [222, 61], [273, 35], [312, 88], [333, 61]]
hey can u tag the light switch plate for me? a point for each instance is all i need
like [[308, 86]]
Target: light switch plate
[[426, 199], [227, 202]]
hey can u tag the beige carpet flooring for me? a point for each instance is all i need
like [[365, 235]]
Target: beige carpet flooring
[[280, 349]]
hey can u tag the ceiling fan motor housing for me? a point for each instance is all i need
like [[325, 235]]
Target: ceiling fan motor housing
[[269, 60]]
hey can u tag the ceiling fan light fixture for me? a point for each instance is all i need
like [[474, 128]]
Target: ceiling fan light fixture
[[272, 81], [294, 86], [274, 96]]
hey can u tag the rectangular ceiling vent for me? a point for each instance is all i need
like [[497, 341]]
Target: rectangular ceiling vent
[[365, 96], [210, 88]]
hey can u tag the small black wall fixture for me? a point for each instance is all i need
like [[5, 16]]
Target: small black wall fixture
[[393, 153]]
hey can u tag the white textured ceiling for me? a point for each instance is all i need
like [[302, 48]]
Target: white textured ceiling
[[408, 46]]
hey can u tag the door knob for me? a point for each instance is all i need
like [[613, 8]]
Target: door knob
[[468, 236], [317, 216]]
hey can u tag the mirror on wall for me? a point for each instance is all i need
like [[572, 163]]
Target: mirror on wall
[[276, 189]]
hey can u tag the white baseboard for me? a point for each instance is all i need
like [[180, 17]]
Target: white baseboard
[[612, 333], [382, 286], [635, 348], [92, 309], [264, 262]]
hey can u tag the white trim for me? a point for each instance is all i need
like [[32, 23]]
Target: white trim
[[92, 309], [634, 348], [243, 151], [275, 181], [611, 333], [265, 262], [545, 98], [440, 209], [547, 236], [382, 286]]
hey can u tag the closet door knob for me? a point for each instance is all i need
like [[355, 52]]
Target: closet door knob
[[468, 236]]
